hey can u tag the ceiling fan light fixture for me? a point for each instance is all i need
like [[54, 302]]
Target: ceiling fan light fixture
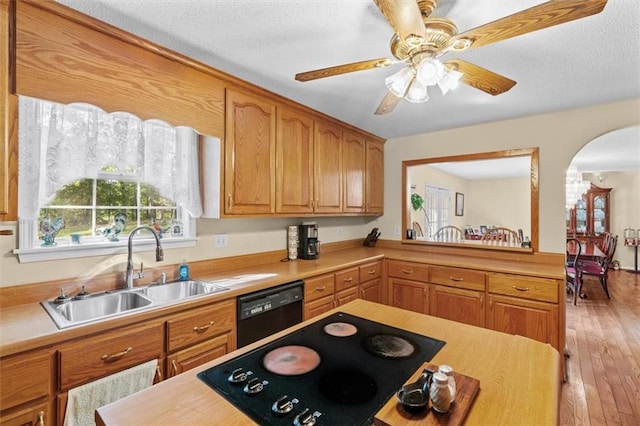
[[430, 71], [449, 81], [399, 82], [417, 92]]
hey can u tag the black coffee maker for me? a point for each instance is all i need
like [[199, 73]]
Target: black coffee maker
[[308, 240]]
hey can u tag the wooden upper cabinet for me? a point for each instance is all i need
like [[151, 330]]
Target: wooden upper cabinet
[[374, 183], [354, 157], [294, 167], [249, 155], [328, 168]]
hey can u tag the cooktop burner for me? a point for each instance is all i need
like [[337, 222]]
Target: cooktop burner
[[338, 370]]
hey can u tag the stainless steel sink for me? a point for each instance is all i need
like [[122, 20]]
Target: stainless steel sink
[[178, 290], [98, 306], [111, 304]]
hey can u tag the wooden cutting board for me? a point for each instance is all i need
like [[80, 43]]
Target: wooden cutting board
[[466, 390]]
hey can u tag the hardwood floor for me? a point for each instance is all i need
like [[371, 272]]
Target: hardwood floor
[[603, 340]]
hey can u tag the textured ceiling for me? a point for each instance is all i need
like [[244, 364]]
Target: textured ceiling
[[585, 62]]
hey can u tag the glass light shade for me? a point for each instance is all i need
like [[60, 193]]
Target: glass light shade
[[400, 81], [449, 81], [430, 71], [417, 92]]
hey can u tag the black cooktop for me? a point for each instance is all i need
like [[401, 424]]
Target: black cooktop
[[339, 370]]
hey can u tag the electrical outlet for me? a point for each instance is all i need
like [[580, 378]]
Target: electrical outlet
[[220, 240], [396, 230], [339, 230]]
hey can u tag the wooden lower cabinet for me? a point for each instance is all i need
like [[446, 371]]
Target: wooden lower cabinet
[[372, 290], [98, 356], [36, 414], [27, 388], [371, 284], [458, 294], [456, 304], [199, 354], [200, 335], [317, 307], [410, 295], [345, 296], [528, 318]]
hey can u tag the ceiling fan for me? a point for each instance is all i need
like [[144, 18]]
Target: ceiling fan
[[420, 39]]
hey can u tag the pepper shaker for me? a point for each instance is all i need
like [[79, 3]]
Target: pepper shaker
[[439, 393], [448, 371]]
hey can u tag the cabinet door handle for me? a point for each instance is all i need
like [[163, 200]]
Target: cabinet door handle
[[202, 328], [229, 201], [407, 271], [371, 271], [520, 288], [481, 301], [362, 293], [174, 366], [321, 289], [159, 373], [114, 357], [456, 279], [348, 280], [41, 418]]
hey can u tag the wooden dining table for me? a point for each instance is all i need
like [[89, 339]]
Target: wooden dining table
[[588, 251]]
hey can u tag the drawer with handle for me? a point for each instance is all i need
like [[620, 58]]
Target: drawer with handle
[[24, 378], [457, 277], [409, 270], [370, 271], [317, 287], [200, 324], [347, 278], [544, 289], [90, 358]]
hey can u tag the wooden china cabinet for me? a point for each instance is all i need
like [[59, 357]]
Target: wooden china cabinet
[[589, 219]]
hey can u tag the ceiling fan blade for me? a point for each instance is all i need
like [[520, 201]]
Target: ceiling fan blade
[[545, 15], [481, 78], [405, 19], [388, 104], [343, 69]]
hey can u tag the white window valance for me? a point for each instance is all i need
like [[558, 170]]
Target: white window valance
[[59, 144]]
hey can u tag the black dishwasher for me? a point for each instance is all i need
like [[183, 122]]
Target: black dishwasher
[[265, 312]]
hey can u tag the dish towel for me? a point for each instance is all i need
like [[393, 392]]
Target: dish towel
[[84, 400]]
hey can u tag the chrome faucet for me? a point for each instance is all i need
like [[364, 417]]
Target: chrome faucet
[[130, 276]]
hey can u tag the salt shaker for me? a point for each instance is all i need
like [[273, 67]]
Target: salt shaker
[[448, 371], [439, 393]]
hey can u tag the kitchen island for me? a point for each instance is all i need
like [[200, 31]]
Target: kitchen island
[[518, 377]]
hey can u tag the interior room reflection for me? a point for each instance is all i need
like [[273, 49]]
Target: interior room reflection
[[475, 202]]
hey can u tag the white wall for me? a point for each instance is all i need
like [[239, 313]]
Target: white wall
[[499, 202], [559, 136]]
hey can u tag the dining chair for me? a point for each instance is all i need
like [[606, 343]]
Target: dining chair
[[449, 233], [601, 269], [501, 235], [573, 270]]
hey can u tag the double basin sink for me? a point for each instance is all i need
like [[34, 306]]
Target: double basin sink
[[111, 304]]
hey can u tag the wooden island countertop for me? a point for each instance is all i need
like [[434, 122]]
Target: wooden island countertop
[[518, 377]]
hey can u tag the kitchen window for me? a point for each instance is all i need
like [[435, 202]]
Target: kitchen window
[[87, 177]]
